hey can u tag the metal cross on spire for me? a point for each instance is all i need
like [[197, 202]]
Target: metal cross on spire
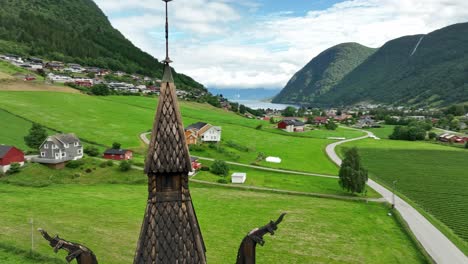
[[167, 60]]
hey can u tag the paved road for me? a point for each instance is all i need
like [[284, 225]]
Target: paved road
[[439, 247]]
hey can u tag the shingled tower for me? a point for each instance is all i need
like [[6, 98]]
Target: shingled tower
[[170, 232]]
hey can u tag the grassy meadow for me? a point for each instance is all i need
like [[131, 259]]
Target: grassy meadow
[[118, 118], [315, 229], [430, 175], [282, 181]]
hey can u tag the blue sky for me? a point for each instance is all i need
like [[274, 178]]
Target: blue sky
[[263, 43]]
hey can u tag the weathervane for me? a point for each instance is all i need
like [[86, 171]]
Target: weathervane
[[167, 60]]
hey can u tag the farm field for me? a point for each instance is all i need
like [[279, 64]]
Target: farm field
[[315, 230], [382, 132], [108, 119], [277, 180], [432, 176]]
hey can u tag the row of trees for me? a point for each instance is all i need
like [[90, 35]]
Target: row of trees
[[415, 130]]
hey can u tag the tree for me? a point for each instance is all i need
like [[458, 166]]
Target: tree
[[289, 111], [14, 168], [353, 176], [91, 151], [466, 144], [220, 168], [432, 135], [100, 89], [37, 135], [116, 145], [331, 125]]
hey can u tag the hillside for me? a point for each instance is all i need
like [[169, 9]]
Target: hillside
[[420, 70], [74, 31], [323, 73]]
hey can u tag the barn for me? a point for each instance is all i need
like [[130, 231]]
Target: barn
[[118, 154], [9, 155]]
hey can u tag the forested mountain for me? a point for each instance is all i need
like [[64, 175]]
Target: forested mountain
[[74, 31], [323, 73], [420, 70]]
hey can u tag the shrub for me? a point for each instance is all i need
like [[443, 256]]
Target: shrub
[[466, 145], [205, 168], [411, 133], [223, 180], [91, 151], [331, 125], [14, 168], [73, 164], [109, 163], [125, 165], [432, 135], [88, 170], [196, 147], [220, 167], [259, 127], [76, 175], [103, 164]]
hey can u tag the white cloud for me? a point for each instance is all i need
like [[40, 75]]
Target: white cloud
[[222, 45]]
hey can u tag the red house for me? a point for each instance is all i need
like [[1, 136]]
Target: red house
[[118, 154], [195, 164], [9, 155]]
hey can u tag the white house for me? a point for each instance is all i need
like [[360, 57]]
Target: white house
[[213, 134], [238, 177], [59, 78]]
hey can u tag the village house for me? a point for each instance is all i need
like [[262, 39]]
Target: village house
[[320, 120], [196, 165], [54, 66], [292, 125], [365, 122], [202, 131], [59, 78], [56, 150], [118, 154], [8, 156]]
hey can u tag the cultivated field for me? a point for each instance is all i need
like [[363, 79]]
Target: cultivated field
[[432, 176], [107, 218]]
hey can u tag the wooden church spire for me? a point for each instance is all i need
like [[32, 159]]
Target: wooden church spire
[[170, 232]]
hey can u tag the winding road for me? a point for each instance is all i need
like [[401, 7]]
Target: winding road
[[437, 245]]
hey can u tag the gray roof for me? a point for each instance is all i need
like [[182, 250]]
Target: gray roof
[[4, 150], [67, 138], [116, 151], [196, 126], [294, 122]]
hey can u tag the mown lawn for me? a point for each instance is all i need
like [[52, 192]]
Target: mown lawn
[[382, 132], [107, 218], [433, 176], [277, 180], [118, 118]]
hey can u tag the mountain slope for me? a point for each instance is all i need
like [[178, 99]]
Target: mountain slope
[[74, 31], [323, 73], [415, 70]]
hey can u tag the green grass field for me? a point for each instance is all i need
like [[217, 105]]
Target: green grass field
[[122, 119], [107, 218], [277, 180], [432, 176], [8, 70]]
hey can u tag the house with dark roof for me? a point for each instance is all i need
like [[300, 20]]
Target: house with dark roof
[[56, 150], [8, 156], [118, 154], [291, 125]]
